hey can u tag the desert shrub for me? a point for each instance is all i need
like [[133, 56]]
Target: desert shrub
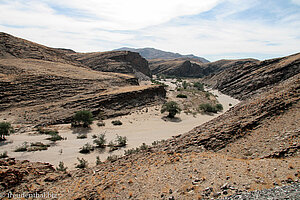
[[230, 104], [87, 148], [100, 140], [181, 96], [82, 118], [185, 84], [81, 136], [112, 158], [144, 147], [21, 148], [61, 167], [38, 146], [5, 130], [117, 123], [3, 155], [207, 94], [98, 161], [159, 83], [171, 107], [42, 130], [82, 163], [94, 136], [101, 123], [121, 141], [55, 138], [131, 151], [219, 107], [199, 86], [208, 108]]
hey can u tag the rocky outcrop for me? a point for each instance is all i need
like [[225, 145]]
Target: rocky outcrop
[[43, 92], [246, 80], [151, 53], [116, 61], [189, 68]]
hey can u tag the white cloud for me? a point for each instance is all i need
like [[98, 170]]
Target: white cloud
[[296, 2]]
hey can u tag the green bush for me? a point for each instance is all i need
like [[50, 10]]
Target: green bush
[[82, 118], [38, 146], [101, 123], [87, 148], [100, 140], [55, 138], [112, 158], [5, 130], [121, 141], [98, 161], [199, 86], [208, 108], [181, 96], [117, 123], [61, 167], [82, 163], [171, 107], [185, 84]]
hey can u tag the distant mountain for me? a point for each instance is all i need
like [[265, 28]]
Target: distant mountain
[[151, 53]]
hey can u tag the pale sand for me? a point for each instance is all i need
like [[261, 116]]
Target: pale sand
[[139, 127]]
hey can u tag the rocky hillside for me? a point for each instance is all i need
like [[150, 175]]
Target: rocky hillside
[[243, 81], [125, 62], [189, 68], [14, 47], [42, 85], [151, 53]]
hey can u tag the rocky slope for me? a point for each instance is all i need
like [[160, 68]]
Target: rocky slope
[[243, 81], [116, 61], [42, 85], [14, 47], [253, 146], [185, 67], [151, 53]]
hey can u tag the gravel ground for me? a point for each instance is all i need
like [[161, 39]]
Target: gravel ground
[[284, 192]]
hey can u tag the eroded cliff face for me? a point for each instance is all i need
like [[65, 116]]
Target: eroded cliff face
[[244, 81], [116, 61]]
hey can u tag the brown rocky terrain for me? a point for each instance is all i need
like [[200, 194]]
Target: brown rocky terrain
[[116, 61], [186, 67], [253, 146], [243, 81], [42, 85]]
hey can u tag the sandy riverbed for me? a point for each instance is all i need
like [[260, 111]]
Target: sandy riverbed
[[139, 127]]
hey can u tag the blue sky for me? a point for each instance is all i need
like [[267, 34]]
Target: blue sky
[[213, 29]]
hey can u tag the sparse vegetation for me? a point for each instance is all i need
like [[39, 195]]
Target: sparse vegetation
[[121, 141], [87, 148], [185, 84], [21, 148], [55, 138], [181, 96], [117, 123], [42, 130], [171, 107], [82, 118], [61, 167], [112, 158], [209, 108], [100, 123], [158, 83], [38, 146], [81, 136], [98, 161], [5, 130], [199, 86], [100, 140], [82, 163], [3, 155]]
